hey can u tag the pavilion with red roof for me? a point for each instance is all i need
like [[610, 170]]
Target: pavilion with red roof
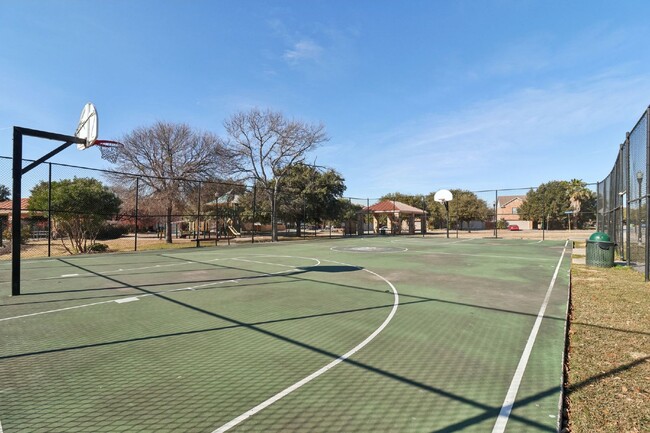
[[399, 217]]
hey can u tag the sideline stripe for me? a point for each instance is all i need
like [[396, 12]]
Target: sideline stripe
[[506, 408], [321, 371], [484, 255], [121, 299], [55, 311]]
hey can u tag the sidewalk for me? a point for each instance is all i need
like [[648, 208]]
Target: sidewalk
[[579, 256]]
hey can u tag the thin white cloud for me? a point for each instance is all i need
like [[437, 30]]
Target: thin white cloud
[[522, 139], [549, 52], [304, 49]]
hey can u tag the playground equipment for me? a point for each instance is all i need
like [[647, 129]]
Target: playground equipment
[[232, 229]]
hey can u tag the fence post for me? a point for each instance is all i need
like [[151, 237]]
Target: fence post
[[647, 188], [496, 206], [627, 189], [599, 218], [423, 222], [619, 202], [17, 168], [367, 221], [543, 222], [254, 211], [49, 209], [198, 217], [137, 196]]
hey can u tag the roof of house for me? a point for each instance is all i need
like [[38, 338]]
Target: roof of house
[[8, 204], [503, 200], [227, 199], [387, 206]]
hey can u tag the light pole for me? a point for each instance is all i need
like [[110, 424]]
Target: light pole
[[639, 178]]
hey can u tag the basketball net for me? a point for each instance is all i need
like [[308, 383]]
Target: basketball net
[[106, 143]]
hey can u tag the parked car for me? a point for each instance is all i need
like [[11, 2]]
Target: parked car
[[513, 228]]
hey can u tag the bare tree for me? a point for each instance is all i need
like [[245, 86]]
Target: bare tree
[[264, 145], [165, 154]]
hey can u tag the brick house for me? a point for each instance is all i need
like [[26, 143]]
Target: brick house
[[508, 209], [5, 211]]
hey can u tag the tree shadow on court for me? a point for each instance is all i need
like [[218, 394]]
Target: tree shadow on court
[[487, 411], [280, 337], [294, 273], [329, 269]]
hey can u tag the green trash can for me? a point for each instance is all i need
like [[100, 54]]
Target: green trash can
[[600, 250]]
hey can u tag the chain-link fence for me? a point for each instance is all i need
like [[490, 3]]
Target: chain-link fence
[[152, 212], [67, 209], [155, 212], [623, 198], [70, 209]]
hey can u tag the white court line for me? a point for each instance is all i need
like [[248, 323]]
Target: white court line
[[125, 300], [428, 240], [482, 255], [458, 241], [506, 408], [159, 293], [366, 250], [120, 300], [263, 263], [56, 311], [324, 369], [27, 262], [114, 271], [105, 272]]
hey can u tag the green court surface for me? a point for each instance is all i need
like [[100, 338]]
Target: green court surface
[[378, 334]]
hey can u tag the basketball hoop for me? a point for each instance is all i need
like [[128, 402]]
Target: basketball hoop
[[444, 196], [88, 129]]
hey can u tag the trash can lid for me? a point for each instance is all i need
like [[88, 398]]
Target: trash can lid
[[599, 236]]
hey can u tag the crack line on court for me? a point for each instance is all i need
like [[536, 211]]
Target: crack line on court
[[322, 370], [509, 401]]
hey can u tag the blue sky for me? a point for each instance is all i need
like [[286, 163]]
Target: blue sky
[[415, 95]]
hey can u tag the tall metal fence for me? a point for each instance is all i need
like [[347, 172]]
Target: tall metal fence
[[623, 209], [207, 212]]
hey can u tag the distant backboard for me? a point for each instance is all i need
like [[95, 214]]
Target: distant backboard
[[443, 196], [88, 126]]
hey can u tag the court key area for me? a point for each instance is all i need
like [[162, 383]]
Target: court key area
[[377, 334]]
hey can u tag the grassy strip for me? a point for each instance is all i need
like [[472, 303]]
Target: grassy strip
[[608, 381]]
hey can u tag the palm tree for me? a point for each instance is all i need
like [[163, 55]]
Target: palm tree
[[578, 194]]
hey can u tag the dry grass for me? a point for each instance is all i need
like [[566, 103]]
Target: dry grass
[[609, 352]]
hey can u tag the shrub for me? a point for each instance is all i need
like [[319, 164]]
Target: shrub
[[98, 248], [110, 231], [25, 233]]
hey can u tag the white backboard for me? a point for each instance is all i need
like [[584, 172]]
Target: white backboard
[[443, 196], [88, 126]]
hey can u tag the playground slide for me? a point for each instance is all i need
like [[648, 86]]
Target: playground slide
[[233, 231]]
